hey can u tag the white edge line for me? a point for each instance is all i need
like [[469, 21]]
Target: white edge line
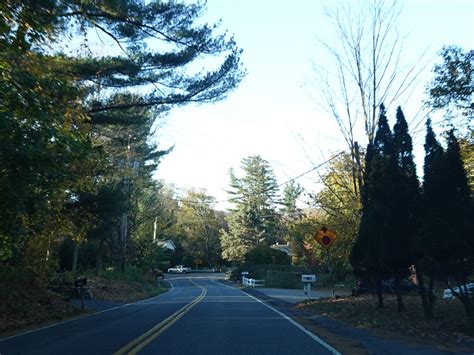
[[84, 316], [299, 326], [45, 327], [161, 294]]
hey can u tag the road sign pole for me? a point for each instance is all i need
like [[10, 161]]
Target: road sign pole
[[326, 237], [330, 272]]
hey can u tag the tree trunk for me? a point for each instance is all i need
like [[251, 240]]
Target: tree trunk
[[378, 286], [469, 308], [99, 257], [398, 291], [74, 257], [430, 297], [466, 300], [422, 291]]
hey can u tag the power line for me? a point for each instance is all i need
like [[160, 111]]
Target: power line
[[312, 169], [183, 200]]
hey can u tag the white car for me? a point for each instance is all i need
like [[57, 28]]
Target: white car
[[448, 294], [179, 269]]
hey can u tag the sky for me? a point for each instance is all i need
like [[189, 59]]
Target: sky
[[274, 111]]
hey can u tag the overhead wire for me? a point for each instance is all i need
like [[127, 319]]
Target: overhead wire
[[183, 200]]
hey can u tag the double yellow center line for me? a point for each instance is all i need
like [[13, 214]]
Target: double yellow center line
[[146, 338]]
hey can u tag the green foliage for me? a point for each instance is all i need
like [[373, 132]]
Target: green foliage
[[253, 221], [87, 255], [404, 202], [199, 226], [446, 209], [384, 247], [298, 233], [341, 205], [131, 274], [430, 241], [283, 279], [74, 151], [376, 221], [447, 205], [45, 155], [263, 254], [451, 88], [291, 193]]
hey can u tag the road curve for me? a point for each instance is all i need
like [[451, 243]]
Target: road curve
[[198, 316]]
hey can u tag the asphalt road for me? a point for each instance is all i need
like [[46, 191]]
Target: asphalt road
[[199, 315]]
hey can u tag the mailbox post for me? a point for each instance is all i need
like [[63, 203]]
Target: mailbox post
[[307, 281], [244, 275], [79, 285]]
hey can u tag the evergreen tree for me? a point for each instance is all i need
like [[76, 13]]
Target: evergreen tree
[[290, 217], [404, 201], [364, 253], [446, 211], [291, 193], [430, 248], [370, 254], [65, 118], [253, 221], [458, 213]]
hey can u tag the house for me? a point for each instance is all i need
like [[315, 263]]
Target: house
[[167, 244], [285, 248]]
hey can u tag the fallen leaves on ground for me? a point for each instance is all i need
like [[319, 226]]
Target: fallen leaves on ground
[[448, 326], [29, 304], [33, 305], [118, 290]]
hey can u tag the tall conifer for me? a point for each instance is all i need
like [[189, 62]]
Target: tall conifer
[[253, 220], [368, 253], [446, 242], [429, 246], [459, 215], [404, 202]]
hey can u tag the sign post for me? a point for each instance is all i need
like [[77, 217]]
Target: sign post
[[326, 237]]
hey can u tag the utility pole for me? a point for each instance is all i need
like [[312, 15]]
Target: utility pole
[[155, 222], [124, 224]]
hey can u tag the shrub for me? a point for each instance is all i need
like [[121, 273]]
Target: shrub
[[263, 254]]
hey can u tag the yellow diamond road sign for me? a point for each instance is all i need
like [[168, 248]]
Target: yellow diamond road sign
[[325, 237]]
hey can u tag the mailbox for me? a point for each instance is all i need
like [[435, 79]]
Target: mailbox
[[244, 273], [80, 282], [308, 278]]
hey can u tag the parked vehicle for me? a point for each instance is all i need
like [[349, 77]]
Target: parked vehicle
[[448, 294], [179, 269]]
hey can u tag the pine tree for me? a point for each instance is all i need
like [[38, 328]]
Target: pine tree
[[361, 256], [291, 193], [404, 202], [253, 221], [446, 242], [429, 247], [370, 254], [53, 100], [459, 215]]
